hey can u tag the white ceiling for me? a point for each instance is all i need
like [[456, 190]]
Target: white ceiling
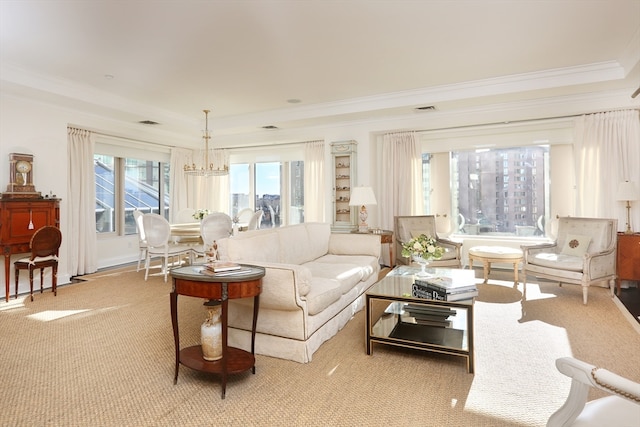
[[345, 60]]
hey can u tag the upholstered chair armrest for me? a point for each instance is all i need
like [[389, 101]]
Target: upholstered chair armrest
[[583, 377], [533, 250], [451, 245], [600, 264]]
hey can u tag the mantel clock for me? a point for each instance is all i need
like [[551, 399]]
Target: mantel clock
[[20, 178]]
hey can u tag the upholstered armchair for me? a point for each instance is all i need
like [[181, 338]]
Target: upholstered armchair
[[584, 253], [621, 408], [407, 227]]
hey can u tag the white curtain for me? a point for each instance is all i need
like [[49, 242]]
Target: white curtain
[[179, 194], [607, 152], [197, 192], [314, 194], [401, 188], [81, 214]]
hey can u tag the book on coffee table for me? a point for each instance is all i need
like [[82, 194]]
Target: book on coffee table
[[220, 266]]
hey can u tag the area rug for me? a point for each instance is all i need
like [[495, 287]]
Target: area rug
[[102, 353]]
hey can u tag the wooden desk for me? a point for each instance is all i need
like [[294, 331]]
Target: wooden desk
[[628, 258], [187, 281], [19, 219]]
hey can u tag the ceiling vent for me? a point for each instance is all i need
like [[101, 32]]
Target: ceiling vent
[[270, 127], [148, 122], [426, 108]]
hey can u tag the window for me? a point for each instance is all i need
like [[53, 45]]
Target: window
[[126, 184], [477, 201], [275, 187]]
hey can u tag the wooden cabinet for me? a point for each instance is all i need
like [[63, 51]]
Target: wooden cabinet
[[19, 219], [628, 258], [344, 158]]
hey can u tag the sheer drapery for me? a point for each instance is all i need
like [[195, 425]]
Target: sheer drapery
[[607, 152], [314, 194], [81, 206], [197, 192], [401, 187]]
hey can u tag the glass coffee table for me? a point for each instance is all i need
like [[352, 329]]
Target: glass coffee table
[[420, 323]]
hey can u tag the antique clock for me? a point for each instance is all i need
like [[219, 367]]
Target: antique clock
[[21, 178]]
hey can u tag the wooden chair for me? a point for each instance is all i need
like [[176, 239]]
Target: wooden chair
[[44, 245]]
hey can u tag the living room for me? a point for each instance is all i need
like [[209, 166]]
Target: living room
[[586, 62]]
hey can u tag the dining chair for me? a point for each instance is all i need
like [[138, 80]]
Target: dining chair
[[44, 245], [215, 226], [142, 240], [158, 232], [254, 222], [244, 216]]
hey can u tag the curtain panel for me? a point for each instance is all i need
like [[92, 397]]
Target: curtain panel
[[314, 188], [606, 153], [81, 213], [401, 188]]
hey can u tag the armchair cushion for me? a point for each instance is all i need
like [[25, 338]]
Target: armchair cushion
[[576, 245]]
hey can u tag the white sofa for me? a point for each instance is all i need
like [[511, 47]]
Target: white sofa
[[314, 284]]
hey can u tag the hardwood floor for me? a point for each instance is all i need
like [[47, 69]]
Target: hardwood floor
[[630, 297]]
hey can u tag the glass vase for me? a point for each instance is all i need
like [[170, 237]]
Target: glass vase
[[423, 265]]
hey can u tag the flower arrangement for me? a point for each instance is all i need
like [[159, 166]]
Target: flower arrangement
[[422, 246], [199, 214]]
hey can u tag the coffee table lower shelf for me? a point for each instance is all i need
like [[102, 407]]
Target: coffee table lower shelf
[[237, 360]]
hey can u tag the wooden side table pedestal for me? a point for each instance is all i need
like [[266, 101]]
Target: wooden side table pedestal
[[188, 281]]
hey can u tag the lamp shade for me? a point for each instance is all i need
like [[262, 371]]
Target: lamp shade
[[362, 196], [627, 191]]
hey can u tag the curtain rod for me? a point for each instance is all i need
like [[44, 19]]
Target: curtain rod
[[507, 122]]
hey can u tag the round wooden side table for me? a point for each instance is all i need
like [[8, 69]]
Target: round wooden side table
[[190, 281]]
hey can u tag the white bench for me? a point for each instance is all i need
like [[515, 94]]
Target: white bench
[[489, 254]]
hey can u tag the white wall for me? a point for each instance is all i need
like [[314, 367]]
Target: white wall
[[40, 129]]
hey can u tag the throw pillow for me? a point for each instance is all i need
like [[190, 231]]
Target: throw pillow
[[576, 245]]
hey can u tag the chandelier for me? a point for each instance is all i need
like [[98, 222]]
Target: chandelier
[[208, 158]]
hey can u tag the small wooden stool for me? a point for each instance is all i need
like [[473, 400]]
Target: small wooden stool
[[489, 254]]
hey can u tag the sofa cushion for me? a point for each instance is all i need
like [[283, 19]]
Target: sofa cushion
[[562, 261], [576, 245], [323, 293], [368, 265], [318, 234], [257, 245], [348, 275]]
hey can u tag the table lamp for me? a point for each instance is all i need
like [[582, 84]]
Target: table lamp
[[362, 196], [627, 192]]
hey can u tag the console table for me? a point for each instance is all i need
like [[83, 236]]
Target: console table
[[628, 258], [191, 282], [19, 219]]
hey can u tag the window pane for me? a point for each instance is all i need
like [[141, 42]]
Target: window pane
[[426, 181], [501, 191], [296, 210], [142, 190], [239, 183], [104, 167], [267, 184]]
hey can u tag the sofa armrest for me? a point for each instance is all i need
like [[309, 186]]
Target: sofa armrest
[[284, 286], [355, 244]]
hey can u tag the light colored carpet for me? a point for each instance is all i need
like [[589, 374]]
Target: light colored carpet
[[101, 353]]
